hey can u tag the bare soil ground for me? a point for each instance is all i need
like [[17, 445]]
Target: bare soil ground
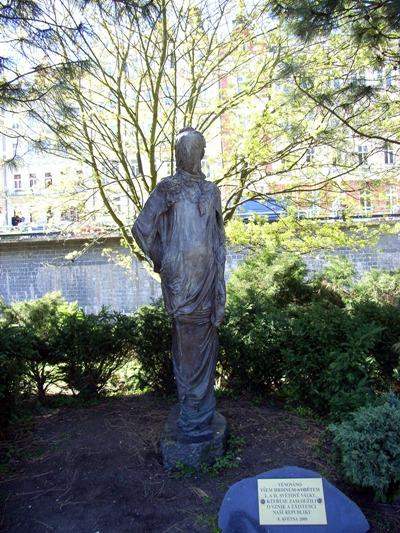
[[98, 469]]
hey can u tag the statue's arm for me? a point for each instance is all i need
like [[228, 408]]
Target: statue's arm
[[220, 251], [145, 230]]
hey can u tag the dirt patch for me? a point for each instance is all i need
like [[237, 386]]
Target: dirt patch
[[98, 469]]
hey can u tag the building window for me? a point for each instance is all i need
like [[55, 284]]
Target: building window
[[337, 209], [310, 154], [358, 77], [392, 199], [389, 155], [362, 152], [32, 180], [366, 201], [134, 167], [113, 165], [205, 167], [378, 74], [245, 120], [70, 215], [315, 208], [240, 83], [117, 204], [17, 182], [168, 100], [48, 180]]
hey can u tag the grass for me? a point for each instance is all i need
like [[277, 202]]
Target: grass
[[209, 520]]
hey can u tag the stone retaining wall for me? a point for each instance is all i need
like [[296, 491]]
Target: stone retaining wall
[[30, 267]]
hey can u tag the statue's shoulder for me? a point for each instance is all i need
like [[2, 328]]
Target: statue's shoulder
[[170, 188], [211, 187], [168, 184], [165, 183]]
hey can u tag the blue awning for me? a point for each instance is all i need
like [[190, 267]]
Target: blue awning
[[271, 209]]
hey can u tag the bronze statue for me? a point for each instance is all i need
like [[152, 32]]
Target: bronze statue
[[180, 229]]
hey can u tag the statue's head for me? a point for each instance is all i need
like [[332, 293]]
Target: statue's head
[[189, 150]]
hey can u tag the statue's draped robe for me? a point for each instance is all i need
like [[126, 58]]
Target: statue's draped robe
[[181, 230]]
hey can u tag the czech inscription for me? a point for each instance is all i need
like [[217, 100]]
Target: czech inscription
[[292, 501]]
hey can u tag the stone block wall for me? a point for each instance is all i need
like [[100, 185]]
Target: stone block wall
[[385, 256], [31, 267]]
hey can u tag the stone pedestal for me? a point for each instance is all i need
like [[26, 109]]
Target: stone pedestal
[[176, 450]]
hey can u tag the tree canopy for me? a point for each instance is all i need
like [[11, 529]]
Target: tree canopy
[[371, 22], [291, 89]]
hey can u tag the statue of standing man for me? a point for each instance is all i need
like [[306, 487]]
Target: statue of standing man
[[180, 229]]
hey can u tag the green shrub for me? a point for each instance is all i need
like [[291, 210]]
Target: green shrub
[[265, 276], [14, 352], [369, 448], [152, 345], [251, 341], [376, 300], [41, 321], [387, 318], [328, 366], [326, 344], [335, 281], [253, 334], [92, 347], [379, 286]]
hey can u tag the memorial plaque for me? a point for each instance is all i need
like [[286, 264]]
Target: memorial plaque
[[291, 501]]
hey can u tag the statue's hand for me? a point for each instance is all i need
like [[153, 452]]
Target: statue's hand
[[217, 317]]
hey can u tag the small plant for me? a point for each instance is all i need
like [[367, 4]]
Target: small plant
[[209, 520], [225, 462], [272, 277], [261, 295], [302, 411], [183, 470], [379, 286], [368, 445], [229, 460], [236, 443]]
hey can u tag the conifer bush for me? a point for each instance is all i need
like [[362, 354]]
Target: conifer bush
[[375, 300], [152, 347], [92, 347], [257, 322], [368, 446], [290, 335], [15, 350], [328, 364], [40, 321], [251, 340]]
